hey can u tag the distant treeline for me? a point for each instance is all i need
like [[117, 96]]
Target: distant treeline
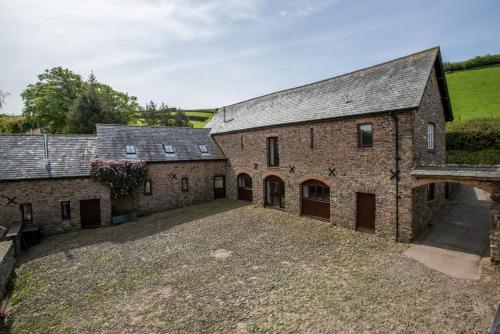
[[479, 61]]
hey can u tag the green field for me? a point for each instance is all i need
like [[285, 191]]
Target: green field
[[475, 93], [199, 113]]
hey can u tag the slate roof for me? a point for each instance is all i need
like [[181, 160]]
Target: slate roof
[[149, 141], [22, 156], [395, 85]]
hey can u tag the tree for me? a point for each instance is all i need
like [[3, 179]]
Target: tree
[[150, 114], [181, 119], [3, 95], [86, 112], [48, 101]]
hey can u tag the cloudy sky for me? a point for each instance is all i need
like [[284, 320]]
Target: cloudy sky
[[210, 53]]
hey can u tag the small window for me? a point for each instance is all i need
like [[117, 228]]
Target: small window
[[185, 184], [203, 148], [27, 213], [365, 135], [311, 137], [130, 149], [241, 141], [430, 137], [147, 188], [169, 149], [273, 158], [65, 210], [431, 190]]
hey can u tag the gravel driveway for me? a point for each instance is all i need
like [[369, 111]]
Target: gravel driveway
[[225, 267]]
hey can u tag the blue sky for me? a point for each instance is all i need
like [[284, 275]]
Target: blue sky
[[196, 54]]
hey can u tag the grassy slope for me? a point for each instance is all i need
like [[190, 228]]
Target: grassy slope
[[208, 113], [475, 93]]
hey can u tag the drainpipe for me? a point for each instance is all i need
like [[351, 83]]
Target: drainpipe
[[396, 160]]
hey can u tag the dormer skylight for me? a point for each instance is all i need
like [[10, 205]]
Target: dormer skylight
[[130, 149], [169, 149], [203, 148]]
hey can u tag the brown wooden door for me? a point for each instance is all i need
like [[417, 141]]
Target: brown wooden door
[[245, 192], [219, 187], [90, 213], [316, 199], [275, 191], [365, 218]]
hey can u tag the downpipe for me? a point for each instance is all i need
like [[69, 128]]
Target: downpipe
[[395, 174]]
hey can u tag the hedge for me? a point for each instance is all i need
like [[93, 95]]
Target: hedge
[[475, 134]]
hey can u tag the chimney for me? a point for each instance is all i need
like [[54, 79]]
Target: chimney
[[46, 160]]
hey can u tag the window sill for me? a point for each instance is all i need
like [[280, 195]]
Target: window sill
[[431, 151]]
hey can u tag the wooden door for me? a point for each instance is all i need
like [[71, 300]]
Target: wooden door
[[275, 192], [365, 218], [219, 187], [90, 213]]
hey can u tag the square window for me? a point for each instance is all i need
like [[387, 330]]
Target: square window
[[147, 188], [365, 135], [65, 210], [185, 185], [203, 148], [169, 149], [26, 211], [130, 149]]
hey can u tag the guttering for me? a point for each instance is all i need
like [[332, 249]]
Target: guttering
[[396, 160]]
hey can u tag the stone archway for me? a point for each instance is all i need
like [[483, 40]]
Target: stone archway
[[486, 178]]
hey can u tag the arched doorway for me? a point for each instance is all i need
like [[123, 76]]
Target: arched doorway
[[275, 192], [316, 199], [245, 192]]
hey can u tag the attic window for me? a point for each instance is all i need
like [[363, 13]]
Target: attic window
[[130, 149], [203, 148], [169, 149]]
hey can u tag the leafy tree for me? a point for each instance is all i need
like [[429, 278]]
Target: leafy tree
[[181, 119], [48, 101], [3, 95], [13, 124], [150, 114], [89, 110]]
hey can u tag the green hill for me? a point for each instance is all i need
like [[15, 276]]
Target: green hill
[[199, 117], [475, 93]]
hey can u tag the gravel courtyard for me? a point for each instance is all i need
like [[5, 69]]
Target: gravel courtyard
[[285, 274]]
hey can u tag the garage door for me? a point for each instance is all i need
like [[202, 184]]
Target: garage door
[[316, 199]]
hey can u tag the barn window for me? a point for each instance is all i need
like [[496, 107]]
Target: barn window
[[273, 151], [130, 149], [26, 210], [365, 135], [169, 149], [431, 190], [311, 137], [65, 210], [148, 188], [185, 184], [430, 137]]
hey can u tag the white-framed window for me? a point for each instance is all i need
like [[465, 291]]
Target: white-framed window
[[431, 145], [130, 149], [203, 148], [169, 149]]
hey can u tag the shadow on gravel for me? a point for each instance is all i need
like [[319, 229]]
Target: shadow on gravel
[[143, 227]]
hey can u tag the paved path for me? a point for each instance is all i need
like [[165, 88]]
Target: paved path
[[459, 236]]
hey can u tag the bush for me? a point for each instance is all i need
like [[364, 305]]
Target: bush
[[476, 62], [475, 134], [122, 176], [13, 124]]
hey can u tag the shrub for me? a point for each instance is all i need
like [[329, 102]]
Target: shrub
[[473, 135], [122, 176]]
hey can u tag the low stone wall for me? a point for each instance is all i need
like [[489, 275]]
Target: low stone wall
[[6, 264]]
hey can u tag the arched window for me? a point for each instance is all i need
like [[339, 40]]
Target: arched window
[[316, 199]]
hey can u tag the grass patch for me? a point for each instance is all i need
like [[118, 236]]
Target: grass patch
[[475, 93], [489, 156]]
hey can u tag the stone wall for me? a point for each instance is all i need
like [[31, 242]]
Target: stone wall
[[335, 147], [46, 196], [495, 226], [7, 262], [430, 111], [167, 189]]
